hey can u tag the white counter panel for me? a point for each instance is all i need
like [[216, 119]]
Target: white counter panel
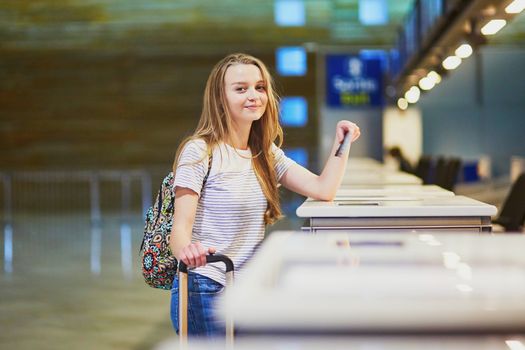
[[380, 178], [355, 282], [408, 206], [391, 191], [361, 342]]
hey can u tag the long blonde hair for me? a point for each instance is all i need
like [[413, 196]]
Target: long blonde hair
[[216, 122]]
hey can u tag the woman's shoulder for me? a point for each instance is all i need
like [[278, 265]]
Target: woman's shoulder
[[195, 148], [196, 144], [276, 150]]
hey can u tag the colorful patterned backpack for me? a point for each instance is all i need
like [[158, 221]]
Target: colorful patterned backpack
[[159, 266]]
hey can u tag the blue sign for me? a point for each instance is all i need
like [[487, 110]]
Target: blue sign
[[353, 81]]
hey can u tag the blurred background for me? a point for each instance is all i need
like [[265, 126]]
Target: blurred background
[[95, 97]]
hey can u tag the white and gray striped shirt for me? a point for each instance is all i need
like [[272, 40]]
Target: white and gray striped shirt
[[230, 212]]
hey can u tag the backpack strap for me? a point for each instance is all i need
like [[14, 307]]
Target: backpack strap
[[210, 158], [159, 197], [159, 193]]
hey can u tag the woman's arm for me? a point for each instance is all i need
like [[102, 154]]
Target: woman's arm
[[324, 186], [193, 254]]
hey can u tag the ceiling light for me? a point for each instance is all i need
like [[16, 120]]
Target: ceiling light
[[516, 6], [373, 12], [493, 26], [464, 51], [426, 83], [436, 78], [412, 95], [451, 62], [402, 103], [289, 13]]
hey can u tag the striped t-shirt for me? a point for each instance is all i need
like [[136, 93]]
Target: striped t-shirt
[[230, 211]]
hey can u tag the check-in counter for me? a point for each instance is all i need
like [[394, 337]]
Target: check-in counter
[[364, 164], [375, 178], [361, 342], [398, 212], [381, 283], [420, 191]]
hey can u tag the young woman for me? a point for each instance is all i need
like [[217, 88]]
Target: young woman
[[225, 208]]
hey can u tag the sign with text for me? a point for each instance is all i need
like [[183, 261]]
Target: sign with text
[[352, 81]]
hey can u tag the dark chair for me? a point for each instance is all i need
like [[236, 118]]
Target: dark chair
[[512, 213], [452, 171], [423, 169], [440, 172], [404, 164], [446, 172]]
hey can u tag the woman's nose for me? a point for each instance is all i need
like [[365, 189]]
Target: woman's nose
[[252, 94]]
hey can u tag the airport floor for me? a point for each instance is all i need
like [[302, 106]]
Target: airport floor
[[71, 286], [65, 284]]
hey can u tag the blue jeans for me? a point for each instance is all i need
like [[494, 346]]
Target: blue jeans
[[202, 293]]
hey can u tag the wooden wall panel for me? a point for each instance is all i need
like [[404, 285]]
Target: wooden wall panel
[[86, 110]]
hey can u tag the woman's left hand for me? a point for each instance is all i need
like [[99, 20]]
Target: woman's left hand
[[345, 126]]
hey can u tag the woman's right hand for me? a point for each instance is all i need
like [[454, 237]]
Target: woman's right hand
[[194, 254]]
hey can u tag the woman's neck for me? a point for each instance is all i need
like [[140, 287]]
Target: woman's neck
[[239, 136]]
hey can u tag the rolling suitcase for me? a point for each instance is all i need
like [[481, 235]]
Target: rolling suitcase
[[183, 297]]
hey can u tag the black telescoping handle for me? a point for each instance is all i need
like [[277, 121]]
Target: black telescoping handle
[[183, 298], [212, 258]]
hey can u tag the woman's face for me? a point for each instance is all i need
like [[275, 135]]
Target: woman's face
[[245, 93]]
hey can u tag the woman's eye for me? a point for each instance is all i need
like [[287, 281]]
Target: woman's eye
[[240, 89], [261, 88]]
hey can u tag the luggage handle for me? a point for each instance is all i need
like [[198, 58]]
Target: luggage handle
[[183, 297], [212, 258]]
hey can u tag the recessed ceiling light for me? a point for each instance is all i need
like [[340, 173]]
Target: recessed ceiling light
[[412, 95], [493, 26], [434, 76], [402, 103], [515, 7], [426, 83], [451, 62], [464, 51]]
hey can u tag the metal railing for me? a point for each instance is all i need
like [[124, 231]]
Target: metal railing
[[55, 191], [76, 202]]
